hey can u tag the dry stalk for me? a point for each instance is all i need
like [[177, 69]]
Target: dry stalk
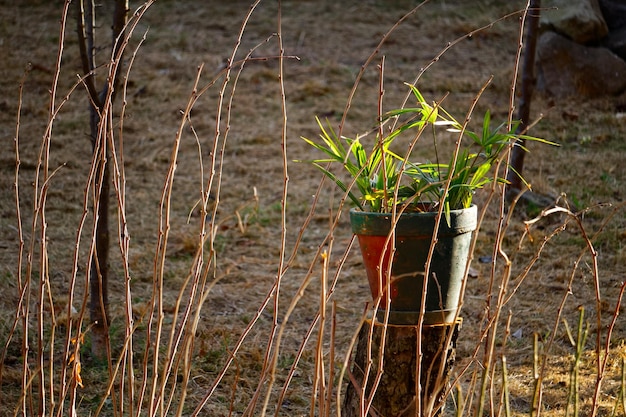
[[319, 379], [369, 60], [281, 267], [20, 233], [125, 361], [39, 204], [588, 250], [489, 358], [158, 387], [331, 362], [505, 388], [324, 247]]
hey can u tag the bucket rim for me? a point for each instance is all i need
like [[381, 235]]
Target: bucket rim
[[414, 223]]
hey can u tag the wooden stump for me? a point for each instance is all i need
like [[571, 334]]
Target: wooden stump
[[397, 389]]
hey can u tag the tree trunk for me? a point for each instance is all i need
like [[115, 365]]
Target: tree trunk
[[516, 167], [398, 388], [98, 269]]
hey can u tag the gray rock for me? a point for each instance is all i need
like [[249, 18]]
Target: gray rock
[[616, 42], [565, 68], [614, 12], [579, 20]]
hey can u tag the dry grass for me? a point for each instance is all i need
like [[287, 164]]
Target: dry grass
[[250, 247]]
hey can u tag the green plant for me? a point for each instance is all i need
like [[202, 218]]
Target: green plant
[[385, 178]]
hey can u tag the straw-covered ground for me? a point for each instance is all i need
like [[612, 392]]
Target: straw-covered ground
[[264, 226]]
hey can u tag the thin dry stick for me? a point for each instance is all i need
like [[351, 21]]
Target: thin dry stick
[[516, 161], [537, 391], [484, 332], [85, 24], [159, 266], [299, 294], [266, 362], [69, 338], [381, 133], [25, 291], [165, 204], [39, 215], [282, 267], [226, 73], [39, 200], [184, 332], [326, 243], [185, 335], [346, 363], [589, 249], [331, 360], [434, 239], [389, 245], [369, 60], [323, 250], [498, 250], [319, 380], [217, 134], [206, 196], [287, 315], [345, 113], [71, 332], [119, 184], [451, 44], [97, 260], [508, 294], [206, 193], [122, 35], [521, 277], [200, 274], [518, 55], [101, 133], [603, 359], [611, 327], [469, 402], [505, 388], [504, 395], [221, 153], [20, 232]]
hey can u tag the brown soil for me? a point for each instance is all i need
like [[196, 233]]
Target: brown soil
[[326, 44]]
